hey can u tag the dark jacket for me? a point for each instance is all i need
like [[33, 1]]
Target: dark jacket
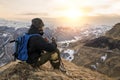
[[36, 45]]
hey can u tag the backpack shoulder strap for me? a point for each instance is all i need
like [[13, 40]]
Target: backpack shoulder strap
[[30, 35]]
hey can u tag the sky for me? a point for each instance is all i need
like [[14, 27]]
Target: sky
[[62, 9]]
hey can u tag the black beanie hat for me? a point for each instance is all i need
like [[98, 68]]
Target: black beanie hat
[[37, 22]]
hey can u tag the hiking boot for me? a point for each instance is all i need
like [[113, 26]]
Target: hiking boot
[[62, 68], [58, 65], [55, 64]]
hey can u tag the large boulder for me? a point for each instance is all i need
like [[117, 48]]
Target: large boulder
[[114, 32]]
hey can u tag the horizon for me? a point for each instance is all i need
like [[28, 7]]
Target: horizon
[[62, 11]]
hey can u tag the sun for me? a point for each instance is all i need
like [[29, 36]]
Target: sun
[[73, 14]]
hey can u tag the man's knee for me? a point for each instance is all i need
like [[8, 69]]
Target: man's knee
[[54, 56]]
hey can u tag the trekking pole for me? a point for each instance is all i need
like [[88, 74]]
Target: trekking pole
[[52, 38], [61, 62]]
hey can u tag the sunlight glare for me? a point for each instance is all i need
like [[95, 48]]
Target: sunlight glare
[[73, 14]]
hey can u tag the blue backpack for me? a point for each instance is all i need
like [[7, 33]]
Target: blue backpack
[[21, 52]]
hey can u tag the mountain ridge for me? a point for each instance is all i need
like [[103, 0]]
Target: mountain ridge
[[101, 54], [21, 70]]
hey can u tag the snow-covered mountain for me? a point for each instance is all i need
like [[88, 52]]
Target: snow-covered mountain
[[6, 48], [63, 34], [91, 32], [15, 24]]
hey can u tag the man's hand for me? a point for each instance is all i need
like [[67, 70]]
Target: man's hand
[[54, 41]]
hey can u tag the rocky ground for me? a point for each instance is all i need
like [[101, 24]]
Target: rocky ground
[[23, 71], [101, 54]]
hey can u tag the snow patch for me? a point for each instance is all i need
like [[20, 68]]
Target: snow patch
[[68, 54]]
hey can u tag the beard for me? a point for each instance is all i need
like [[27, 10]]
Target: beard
[[41, 33]]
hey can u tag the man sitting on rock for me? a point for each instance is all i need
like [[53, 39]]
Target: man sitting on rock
[[39, 50]]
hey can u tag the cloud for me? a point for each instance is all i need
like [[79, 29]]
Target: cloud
[[56, 8], [60, 8], [35, 14], [87, 9]]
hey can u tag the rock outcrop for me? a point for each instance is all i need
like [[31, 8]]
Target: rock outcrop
[[114, 32], [101, 54], [23, 71]]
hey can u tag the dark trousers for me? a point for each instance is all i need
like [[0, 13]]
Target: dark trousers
[[47, 57]]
